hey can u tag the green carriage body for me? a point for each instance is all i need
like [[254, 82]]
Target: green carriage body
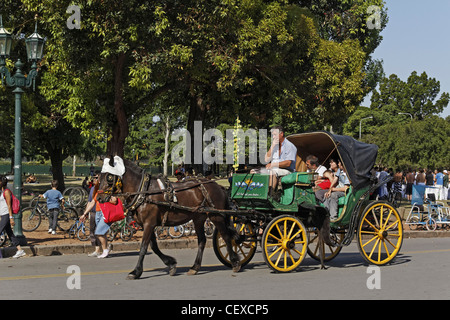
[[251, 192]]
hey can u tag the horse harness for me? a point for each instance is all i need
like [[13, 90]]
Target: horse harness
[[166, 188]]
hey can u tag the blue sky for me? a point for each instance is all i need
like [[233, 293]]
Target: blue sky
[[417, 38]]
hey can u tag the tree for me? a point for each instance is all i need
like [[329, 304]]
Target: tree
[[417, 96]]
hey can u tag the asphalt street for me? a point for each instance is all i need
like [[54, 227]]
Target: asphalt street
[[420, 271]]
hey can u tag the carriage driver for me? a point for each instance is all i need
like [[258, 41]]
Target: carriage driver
[[281, 157]]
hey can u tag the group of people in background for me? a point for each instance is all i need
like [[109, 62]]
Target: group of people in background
[[403, 181]]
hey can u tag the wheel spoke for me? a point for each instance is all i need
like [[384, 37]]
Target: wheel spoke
[[375, 228], [374, 238], [373, 249]]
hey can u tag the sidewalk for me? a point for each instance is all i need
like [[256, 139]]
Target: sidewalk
[[78, 247]]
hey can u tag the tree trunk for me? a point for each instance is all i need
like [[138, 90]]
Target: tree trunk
[[196, 113], [166, 144], [56, 159], [119, 130]]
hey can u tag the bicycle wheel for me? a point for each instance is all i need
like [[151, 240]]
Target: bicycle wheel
[[2, 238], [161, 233], [83, 232], [431, 224], [176, 232], [67, 218], [126, 233], [209, 228], [75, 196], [31, 219]]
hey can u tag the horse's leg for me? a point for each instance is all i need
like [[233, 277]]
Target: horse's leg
[[199, 224], [137, 272], [227, 235], [168, 260]]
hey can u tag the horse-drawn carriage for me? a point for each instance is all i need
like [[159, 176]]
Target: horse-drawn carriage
[[287, 228]]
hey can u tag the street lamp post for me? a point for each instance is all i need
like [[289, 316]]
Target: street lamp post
[[360, 125], [18, 81], [407, 113]]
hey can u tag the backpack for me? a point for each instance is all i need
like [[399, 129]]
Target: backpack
[[15, 202]]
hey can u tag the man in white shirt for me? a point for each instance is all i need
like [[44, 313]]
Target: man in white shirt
[[313, 165], [281, 157]]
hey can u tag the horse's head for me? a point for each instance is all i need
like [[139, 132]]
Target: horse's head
[[108, 183]]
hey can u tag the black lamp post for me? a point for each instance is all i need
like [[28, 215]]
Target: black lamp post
[[18, 81]]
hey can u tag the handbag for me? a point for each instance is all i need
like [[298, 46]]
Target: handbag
[[112, 212]]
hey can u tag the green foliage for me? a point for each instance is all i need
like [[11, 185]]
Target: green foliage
[[420, 142], [417, 96]]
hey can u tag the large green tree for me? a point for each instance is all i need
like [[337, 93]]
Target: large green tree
[[419, 95], [260, 59]]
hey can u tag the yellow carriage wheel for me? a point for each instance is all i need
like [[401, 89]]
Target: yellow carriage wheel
[[380, 233], [245, 247], [285, 243]]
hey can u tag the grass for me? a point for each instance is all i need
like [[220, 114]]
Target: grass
[[43, 184]]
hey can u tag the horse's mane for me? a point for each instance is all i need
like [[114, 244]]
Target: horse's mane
[[130, 165]]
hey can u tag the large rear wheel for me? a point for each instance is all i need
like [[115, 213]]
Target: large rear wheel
[[380, 233], [285, 243]]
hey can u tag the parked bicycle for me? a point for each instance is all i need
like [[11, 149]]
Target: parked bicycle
[[80, 230], [121, 228], [174, 232], [75, 196], [32, 216]]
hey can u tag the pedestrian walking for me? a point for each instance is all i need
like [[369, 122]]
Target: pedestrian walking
[[92, 223], [101, 226], [6, 216]]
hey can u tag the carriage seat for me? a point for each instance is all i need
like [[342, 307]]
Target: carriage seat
[[342, 201]]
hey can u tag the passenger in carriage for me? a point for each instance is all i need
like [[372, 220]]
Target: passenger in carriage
[[338, 187], [323, 185], [313, 165], [281, 157]]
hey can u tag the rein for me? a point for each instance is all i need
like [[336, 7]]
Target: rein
[[143, 191]]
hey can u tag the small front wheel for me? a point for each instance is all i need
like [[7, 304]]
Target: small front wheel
[[67, 218], [285, 243], [431, 224], [380, 233], [83, 233], [244, 244], [126, 233]]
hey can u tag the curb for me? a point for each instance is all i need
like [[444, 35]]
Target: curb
[[56, 250], [53, 250]]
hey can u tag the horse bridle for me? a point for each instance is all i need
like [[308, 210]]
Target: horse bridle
[[114, 184]]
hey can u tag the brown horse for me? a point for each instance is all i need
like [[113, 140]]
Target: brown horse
[[148, 201]]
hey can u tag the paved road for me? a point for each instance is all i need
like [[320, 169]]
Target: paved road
[[420, 271]]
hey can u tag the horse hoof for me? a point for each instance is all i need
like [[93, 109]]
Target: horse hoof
[[132, 276], [192, 272], [172, 270], [237, 268]]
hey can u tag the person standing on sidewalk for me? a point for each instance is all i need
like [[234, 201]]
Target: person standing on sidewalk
[[6, 216], [54, 197]]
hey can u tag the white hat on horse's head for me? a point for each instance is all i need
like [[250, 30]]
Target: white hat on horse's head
[[115, 167]]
